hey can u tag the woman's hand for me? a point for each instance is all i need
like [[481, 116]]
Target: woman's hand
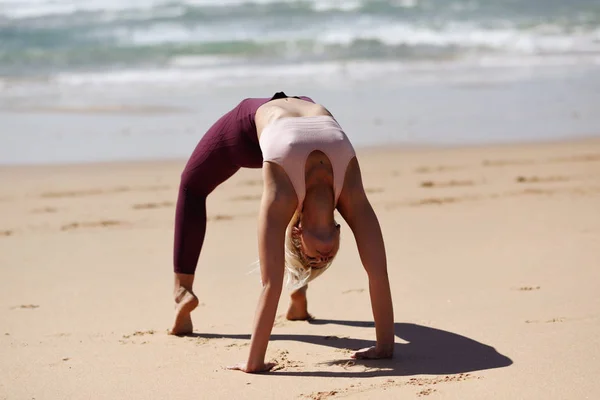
[[252, 370], [373, 353]]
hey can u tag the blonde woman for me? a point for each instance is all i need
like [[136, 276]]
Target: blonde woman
[[309, 170]]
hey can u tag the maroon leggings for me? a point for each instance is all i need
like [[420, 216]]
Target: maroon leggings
[[230, 144]]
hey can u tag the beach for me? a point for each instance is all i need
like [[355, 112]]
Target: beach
[[477, 128], [492, 255]]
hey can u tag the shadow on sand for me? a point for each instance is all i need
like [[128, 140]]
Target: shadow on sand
[[429, 351]]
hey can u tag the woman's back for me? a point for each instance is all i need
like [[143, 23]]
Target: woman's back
[[286, 108]]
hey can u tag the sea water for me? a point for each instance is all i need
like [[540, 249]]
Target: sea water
[[93, 80]]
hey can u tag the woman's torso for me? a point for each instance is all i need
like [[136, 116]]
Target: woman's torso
[[318, 165], [285, 108]]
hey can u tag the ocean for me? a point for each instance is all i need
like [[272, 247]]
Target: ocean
[[223, 41], [86, 56]]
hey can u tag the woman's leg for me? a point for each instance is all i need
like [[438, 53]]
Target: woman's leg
[[199, 179], [298, 309], [212, 163]]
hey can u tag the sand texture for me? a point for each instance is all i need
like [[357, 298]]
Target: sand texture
[[494, 259]]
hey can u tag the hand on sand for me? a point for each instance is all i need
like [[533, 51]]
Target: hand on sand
[[265, 367], [372, 353]]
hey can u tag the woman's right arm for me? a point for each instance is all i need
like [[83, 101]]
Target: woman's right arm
[[277, 207]]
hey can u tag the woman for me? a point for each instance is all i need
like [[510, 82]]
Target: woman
[[309, 170]]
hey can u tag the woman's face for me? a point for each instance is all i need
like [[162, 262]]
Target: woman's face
[[319, 246]]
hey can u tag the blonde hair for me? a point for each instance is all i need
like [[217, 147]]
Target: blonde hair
[[298, 270]]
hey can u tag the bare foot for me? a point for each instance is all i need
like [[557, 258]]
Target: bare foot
[[298, 310], [185, 303]]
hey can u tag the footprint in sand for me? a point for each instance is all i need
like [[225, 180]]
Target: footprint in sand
[[44, 210], [353, 291], [452, 183], [220, 217], [549, 321], [503, 163], [96, 192], [437, 168], [440, 200], [528, 288], [140, 333], [320, 395], [237, 345], [61, 334], [424, 202], [127, 339], [6, 233], [149, 206], [26, 307], [537, 179], [530, 192], [342, 363], [98, 224], [577, 158], [390, 383], [283, 362], [426, 392], [82, 193], [199, 340]]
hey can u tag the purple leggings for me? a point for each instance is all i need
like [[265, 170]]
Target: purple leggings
[[230, 144]]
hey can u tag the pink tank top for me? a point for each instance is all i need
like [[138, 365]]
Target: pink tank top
[[289, 141]]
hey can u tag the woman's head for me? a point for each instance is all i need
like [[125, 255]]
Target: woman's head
[[309, 249]]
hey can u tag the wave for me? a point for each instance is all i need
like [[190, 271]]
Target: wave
[[162, 45], [324, 72], [20, 9], [49, 37], [36, 9]]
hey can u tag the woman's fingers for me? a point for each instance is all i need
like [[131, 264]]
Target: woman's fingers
[[244, 367]]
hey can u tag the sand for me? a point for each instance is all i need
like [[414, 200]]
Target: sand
[[494, 258]]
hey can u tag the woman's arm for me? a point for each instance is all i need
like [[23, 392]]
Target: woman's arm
[[277, 207], [356, 209]]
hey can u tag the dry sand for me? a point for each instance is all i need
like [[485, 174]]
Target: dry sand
[[494, 257]]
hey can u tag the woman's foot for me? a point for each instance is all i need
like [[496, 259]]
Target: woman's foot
[[185, 303], [298, 310]]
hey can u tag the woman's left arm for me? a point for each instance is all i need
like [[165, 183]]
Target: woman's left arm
[[357, 211]]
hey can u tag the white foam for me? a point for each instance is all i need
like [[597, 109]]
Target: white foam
[[344, 5], [185, 76], [544, 39], [464, 35], [205, 72], [20, 9], [406, 3], [201, 61]]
